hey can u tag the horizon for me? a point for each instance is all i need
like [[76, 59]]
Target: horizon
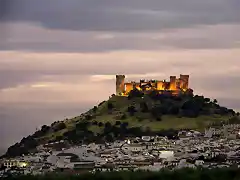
[[58, 59]]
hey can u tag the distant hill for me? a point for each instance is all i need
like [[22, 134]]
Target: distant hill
[[135, 115], [2, 151]]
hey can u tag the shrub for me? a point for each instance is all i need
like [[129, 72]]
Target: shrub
[[88, 117], [131, 110], [144, 107], [60, 126], [95, 123], [118, 123], [95, 109], [100, 124], [110, 106], [135, 93]]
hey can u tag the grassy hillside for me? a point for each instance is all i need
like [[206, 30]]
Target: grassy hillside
[[135, 115]]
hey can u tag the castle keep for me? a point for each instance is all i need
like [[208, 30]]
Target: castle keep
[[175, 85]]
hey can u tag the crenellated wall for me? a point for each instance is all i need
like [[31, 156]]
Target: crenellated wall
[[175, 85]]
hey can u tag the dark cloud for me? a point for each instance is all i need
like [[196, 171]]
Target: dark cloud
[[125, 15], [81, 21], [31, 37]]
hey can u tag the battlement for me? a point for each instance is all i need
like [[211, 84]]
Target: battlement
[[175, 85]]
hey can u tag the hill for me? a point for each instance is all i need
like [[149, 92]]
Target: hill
[[134, 115]]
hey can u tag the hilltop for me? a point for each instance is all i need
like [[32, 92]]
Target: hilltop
[[134, 115]]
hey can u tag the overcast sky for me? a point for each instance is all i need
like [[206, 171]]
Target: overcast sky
[[58, 58]]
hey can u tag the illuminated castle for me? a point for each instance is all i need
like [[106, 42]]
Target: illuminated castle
[[174, 86]]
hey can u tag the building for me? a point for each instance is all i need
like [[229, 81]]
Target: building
[[14, 163], [175, 85]]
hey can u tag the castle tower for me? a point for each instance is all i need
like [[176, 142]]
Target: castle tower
[[173, 85], [120, 86], [184, 81]]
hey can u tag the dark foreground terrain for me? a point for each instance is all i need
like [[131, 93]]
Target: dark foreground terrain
[[183, 174]]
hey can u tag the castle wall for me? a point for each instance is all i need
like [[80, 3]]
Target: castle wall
[[160, 85], [137, 85], [128, 87], [175, 85]]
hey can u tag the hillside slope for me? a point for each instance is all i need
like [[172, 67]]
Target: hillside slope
[[135, 115]]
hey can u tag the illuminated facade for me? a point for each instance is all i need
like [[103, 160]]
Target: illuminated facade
[[175, 85]]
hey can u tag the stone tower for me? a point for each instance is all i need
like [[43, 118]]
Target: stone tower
[[120, 86], [173, 83], [184, 81]]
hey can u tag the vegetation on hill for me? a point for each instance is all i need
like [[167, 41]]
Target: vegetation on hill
[[182, 174], [136, 115]]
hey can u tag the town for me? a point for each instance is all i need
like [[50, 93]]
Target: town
[[216, 147]]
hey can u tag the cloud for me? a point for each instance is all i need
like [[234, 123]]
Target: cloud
[[133, 15], [32, 37], [49, 73]]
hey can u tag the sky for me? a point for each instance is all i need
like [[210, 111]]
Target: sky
[[58, 58]]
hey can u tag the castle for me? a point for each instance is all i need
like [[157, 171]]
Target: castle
[[174, 86]]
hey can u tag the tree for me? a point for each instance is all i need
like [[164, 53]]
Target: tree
[[234, 120], [95, 123], [154, 95], [101, 103], [148, 131], [118, 123], [124, 116], [144, 107], [108, 125], [174, 110], [125, 124], [82, 126], [59, 138], [95, 109], [135, 93], [135, 131], [107, 128], [44, 127], [215, 101], [159, 118], [100, 124], [131, 110], [156, 112], [60, 126], [192, 107], [88, 117], [109, 138], [207, 100], [110, 106]]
